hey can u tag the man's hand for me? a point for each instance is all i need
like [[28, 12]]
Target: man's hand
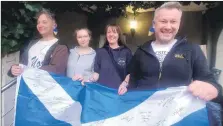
[[203, 90]]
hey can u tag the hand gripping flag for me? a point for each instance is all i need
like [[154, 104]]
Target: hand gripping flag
[[45, 99]]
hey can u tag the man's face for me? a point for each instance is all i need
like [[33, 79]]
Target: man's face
[[45, 25], [166, 24]]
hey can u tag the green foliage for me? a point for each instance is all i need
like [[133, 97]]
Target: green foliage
[[18, 24]]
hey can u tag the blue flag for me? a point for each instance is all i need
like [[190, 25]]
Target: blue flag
[[45, 99], [151, 31]]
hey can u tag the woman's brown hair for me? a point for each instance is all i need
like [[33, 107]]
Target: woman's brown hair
[[116, 28], [78, 29]]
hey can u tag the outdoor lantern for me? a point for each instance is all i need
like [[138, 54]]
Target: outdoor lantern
[[133, 25]]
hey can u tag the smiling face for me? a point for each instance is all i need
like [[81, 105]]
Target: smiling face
[[112, 35], [166, 24], [45, 25]]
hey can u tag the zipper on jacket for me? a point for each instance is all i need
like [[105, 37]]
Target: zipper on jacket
[[161, 66], [160, 74], [160, 69]]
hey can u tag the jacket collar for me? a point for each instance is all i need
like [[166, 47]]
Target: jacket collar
[[148, 48]]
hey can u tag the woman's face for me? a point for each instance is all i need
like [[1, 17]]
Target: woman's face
[[112, 35], [45, 25], [83, 38]]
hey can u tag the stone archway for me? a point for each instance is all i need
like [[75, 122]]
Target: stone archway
[[219, 56]]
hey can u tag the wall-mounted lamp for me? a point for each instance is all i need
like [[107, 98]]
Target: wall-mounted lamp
[[133, 25]]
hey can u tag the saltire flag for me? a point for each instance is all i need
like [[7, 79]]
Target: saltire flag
[[151, 29], [46, 99]]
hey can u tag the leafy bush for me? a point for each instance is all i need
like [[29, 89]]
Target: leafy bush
[[18, 24]]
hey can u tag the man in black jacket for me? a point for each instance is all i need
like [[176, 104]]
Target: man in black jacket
[[168, 61]]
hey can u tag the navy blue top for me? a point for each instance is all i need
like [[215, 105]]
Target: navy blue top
[[112, 72], [145, 71]]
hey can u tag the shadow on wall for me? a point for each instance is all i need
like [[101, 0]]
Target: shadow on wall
[[191, 26], [67, 22]]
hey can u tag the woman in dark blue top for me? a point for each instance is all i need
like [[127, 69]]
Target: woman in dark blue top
[[111, 61]]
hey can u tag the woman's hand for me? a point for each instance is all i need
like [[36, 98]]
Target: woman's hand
[[77, 77], [123, 88], [94, 77]]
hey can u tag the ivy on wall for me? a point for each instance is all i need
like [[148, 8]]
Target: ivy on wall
[[18, 24]]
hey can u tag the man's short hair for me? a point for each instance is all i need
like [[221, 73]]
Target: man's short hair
[[46, 12], [169, 5]]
